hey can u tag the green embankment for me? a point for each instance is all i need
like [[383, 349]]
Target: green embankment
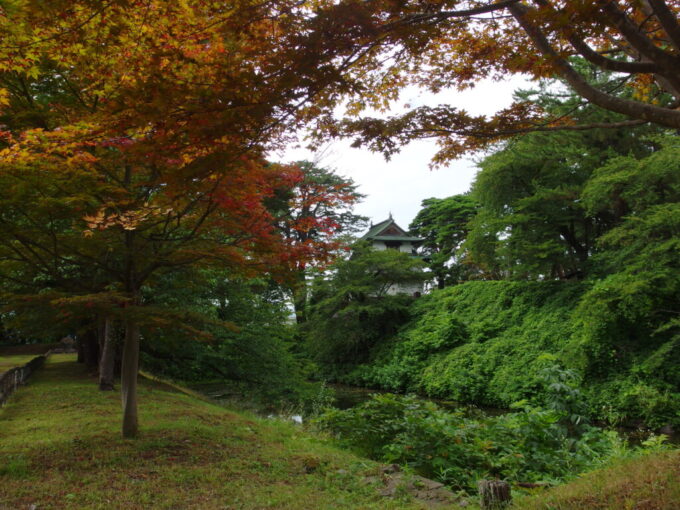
[[487, 343], [60, 447]]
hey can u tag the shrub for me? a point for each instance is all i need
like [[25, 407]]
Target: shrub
[[528, 445]]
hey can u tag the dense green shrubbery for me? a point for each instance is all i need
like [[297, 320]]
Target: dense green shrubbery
[[529, 445], [247, 337], [486, 343], [620, 400], [603, 211], [354, 309], [476, 342]]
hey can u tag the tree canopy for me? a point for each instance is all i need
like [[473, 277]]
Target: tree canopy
[[443, 223], [133, 142], [532, 221], [451, 43], [316, 220]]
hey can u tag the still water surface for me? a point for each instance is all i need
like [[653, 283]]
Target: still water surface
[[347, 397]]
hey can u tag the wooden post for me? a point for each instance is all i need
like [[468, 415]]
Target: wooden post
[[494, 494]]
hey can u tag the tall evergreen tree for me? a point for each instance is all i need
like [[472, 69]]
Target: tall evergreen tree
[[532, 222], [443, 223], [356, 306]]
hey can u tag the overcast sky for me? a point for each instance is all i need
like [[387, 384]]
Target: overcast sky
[[401, 184]]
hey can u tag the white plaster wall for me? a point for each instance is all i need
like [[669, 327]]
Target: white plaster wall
[[409, 289]]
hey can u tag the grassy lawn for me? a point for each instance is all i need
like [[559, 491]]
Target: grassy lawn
[[60, 447], [17, 355]]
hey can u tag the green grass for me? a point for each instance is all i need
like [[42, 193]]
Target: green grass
[[60, 447], [650, 482]]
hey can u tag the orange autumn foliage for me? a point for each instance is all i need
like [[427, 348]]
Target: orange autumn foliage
[[166, 110]]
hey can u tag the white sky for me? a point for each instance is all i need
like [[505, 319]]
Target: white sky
[[401, 184]]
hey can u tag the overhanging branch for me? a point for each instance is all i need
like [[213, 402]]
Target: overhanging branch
[[641, 111], [463, 13], [669, 63], [668, 21]]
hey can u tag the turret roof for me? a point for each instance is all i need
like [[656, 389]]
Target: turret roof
[[394, 232]]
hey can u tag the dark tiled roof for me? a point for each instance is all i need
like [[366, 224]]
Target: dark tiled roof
[[377, 228], [398, 238], [375, 231]]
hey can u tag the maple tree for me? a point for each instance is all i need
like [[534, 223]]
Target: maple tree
[[145, 123], [441, 44], [315, 218]]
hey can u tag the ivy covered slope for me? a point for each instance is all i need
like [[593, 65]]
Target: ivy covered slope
[[487, 342], [60, 447]]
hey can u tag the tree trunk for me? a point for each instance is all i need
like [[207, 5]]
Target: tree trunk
[[101, 323], [90, 348], [80, 349], [108, 356], [130, 362], [128, 378], [494, 494], [300, 298]]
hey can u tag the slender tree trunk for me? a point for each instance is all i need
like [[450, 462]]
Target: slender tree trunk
[[128, 378], [108, 356], [130, 362], [101, 322], [90, 348], [300, 297], [80, 348]]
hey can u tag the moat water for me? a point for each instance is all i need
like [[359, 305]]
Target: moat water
[[347, 397]]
